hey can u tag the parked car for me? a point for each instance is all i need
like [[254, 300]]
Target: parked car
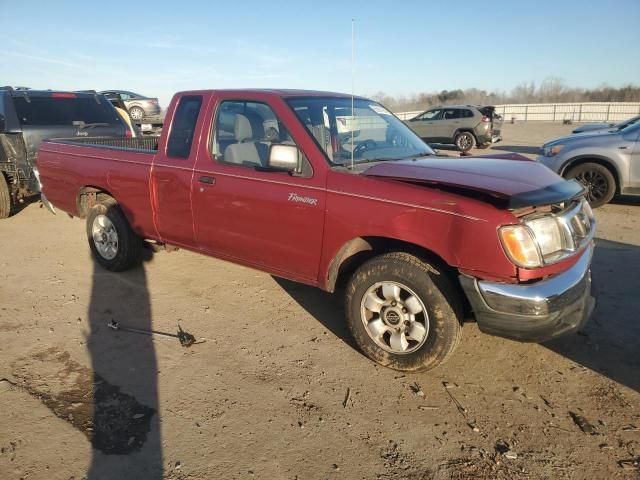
[[138, 105], [604, 126], [29, 116], [121, 108], [264, 178], [465, 126], [605, 163]]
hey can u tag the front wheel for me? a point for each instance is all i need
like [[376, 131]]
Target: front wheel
[[598, 180], [465, 141], [114, 244], [403, 313]]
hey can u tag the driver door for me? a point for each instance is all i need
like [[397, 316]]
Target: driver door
[[426, 124]]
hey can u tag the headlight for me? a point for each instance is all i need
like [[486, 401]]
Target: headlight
[[548, 239], [551, 150], [520, 246]]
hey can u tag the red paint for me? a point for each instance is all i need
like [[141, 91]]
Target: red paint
[[245, 216]]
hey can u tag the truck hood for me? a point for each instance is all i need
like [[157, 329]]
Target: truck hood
[[516, 180]]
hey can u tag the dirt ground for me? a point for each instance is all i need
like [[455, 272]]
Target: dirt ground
[[274, 388]]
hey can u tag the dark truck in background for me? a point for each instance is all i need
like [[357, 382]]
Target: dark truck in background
[[29, 116]]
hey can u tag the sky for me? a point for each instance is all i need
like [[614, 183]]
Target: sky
[[157, 48]]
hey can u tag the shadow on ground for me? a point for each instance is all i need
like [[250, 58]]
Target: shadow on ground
[[325, 307], [126, 427], [610, 343], [524, 149]]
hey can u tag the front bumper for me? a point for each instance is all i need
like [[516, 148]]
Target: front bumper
[[534, 312]]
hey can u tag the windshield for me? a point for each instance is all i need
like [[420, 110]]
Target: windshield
[[634, 127], [626, 123], [368, 133]]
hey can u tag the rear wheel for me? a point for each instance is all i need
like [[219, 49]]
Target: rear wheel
[[402, 312], [465, 141], [136, 113], [114, 244], [5, 197], [598, 180]]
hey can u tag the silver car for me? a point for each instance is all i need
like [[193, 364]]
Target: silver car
[[605, 126], [605, 163], [138, 105]]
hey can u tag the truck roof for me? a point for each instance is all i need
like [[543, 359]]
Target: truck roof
[[278, 92]]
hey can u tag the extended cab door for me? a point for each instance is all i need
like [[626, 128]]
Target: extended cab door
[[242, 211], [172, 172]]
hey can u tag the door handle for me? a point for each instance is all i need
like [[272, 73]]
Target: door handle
[[206, 179], [623, 148]]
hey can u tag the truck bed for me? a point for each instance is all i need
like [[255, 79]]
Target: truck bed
[[145, 144]]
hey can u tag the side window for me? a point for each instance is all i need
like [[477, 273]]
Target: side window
[[183, 127], [244, 133], [467, 114], [430, 115], [125, 96], [451, 114]]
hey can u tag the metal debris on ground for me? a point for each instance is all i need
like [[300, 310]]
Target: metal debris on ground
[[582, 422], [346, 398], [415, 388], [185, 338], [630, 464]]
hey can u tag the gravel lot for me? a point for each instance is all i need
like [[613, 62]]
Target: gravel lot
[[275, 388]]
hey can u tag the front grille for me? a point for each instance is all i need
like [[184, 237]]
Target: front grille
[[578, 224]]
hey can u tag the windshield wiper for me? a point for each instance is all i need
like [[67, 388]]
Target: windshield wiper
[[393, 159]]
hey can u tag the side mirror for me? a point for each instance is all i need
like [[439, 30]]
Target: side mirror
[[284, 158]]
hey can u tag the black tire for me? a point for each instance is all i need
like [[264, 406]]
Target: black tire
[[465, 141], [434, 291], [128, 252], [136, 113], [5, 197], [598, 180]]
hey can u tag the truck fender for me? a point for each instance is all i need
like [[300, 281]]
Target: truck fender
[[348, 250]]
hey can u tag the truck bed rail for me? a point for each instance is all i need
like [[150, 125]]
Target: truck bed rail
[[145, 144]]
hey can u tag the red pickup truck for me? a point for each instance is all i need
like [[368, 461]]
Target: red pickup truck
[[336, 192]]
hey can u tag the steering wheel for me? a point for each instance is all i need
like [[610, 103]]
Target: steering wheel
[[366, 145]]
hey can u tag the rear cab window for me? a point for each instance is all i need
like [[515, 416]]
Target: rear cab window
[[183, 126]]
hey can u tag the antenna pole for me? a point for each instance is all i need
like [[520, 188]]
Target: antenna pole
[[353, 74]]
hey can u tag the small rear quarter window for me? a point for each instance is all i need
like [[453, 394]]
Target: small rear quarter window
[[183, 126]]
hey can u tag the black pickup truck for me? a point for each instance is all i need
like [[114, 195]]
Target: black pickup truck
[[29, 116]]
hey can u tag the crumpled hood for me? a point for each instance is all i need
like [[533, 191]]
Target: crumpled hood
[[515, 179]]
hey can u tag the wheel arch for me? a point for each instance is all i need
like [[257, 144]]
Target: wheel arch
[[360, 249], [599, 159], [87, 198], [465, 130]]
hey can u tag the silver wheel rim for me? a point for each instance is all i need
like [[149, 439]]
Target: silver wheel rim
[[136, 113], [105, 237], [394, 317]]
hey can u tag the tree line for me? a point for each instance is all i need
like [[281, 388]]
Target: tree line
[[551, 90]]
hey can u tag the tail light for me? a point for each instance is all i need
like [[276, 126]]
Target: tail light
[[63, 95], [485, 119]]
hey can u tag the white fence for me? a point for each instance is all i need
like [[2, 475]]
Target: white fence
[[557, 112]]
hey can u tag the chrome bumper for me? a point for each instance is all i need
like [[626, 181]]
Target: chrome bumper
[[534, 312]]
